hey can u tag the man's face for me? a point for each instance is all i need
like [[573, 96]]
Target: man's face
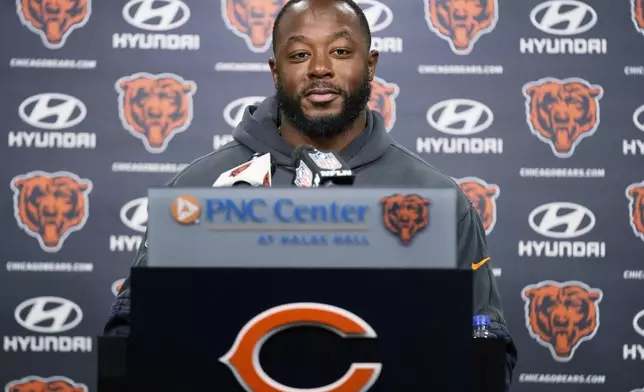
[[322, 70]]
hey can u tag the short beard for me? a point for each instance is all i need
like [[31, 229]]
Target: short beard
[[324, 127]]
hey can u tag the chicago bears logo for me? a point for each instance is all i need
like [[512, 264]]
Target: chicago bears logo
[[483, 197], [39, 384], [635, 196], [461, 22], [405, 215], [50, 206], [383, 100], [562, 112], [154, 108], [561, 316], [637, 14], [252, 20], [53, 20]]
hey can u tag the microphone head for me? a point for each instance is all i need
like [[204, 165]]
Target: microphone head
[[298, 152], [314, 168], [273, 164]]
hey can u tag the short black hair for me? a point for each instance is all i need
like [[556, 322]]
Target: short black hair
[[364, 24]]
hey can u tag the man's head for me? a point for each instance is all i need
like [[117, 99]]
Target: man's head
[[323, 65]]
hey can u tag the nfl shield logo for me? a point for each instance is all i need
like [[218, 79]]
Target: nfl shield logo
[[325, 160], [303, 176]]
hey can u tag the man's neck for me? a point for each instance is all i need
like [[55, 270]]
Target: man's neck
[[295, 137]]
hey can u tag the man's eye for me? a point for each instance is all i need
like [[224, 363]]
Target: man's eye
[[299, 56]]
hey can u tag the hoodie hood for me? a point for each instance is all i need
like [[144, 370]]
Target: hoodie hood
[[258, 131]]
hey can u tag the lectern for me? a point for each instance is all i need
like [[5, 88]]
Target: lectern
[[301, 290]]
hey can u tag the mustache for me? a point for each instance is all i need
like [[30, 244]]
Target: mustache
[[322, 85]]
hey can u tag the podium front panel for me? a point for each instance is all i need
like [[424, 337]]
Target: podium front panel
[[184, 321], [302, 227]]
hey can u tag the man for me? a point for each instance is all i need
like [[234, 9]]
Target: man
[[322, 69]]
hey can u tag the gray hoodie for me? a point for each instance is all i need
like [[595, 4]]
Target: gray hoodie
[[377, 160]]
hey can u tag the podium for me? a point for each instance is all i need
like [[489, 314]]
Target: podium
[[301, 290]]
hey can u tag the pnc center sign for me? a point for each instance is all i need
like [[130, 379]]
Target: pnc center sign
[[243, 356]]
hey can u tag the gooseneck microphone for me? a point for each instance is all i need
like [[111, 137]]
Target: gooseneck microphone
[[315, 168], [258, 172]]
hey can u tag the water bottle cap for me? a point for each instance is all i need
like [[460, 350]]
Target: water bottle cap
[[482, 319]]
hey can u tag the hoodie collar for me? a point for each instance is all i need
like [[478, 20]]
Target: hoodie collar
[[258, 131]]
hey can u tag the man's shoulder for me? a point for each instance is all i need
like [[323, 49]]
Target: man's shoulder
[[423, 174], [204, 170]]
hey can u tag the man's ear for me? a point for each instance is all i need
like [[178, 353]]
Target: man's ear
[[273, 66], [372, 63]]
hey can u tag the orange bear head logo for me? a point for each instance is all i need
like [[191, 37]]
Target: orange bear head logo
[[383, 100], [252, 20], [561, 316], [461, 22], [51, 384], [483, 197], [51, 206], [154, 108], [635, 195], [54, 20], [562, 112], [637, 14], [405, 215]]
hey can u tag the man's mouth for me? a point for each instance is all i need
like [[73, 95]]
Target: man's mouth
[[321, 95]]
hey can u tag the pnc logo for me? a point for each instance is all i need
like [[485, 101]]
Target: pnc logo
[[378, 14], [243, 356], [154, 108], [252, 20], [383, 100], [460, 117], [48, 314], [563, 17], [562, 113], [52, 111], [234, 111], [134, 214], [483, 197], [186, 210], [50, 206], [49, 384], [53, 20], [156, 15], [637, 14], [561, 220], [561, 316], [405, 215], [461, 22], [635, 196], [638, 118]]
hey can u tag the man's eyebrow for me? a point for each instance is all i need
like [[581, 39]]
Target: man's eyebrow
[[296, 38], [342, 34], [302, 38]]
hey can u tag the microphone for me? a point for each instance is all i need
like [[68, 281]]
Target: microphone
[[314, 168], [258, 172]]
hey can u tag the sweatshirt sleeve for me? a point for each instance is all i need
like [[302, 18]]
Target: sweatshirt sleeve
[[473, 253], [118, 319]]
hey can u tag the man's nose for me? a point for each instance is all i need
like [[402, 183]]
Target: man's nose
[[320, 67]]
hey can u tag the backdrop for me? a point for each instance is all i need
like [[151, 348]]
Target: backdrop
[[536, 107]]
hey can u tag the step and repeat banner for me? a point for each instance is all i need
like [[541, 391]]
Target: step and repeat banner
[[535, 107]]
